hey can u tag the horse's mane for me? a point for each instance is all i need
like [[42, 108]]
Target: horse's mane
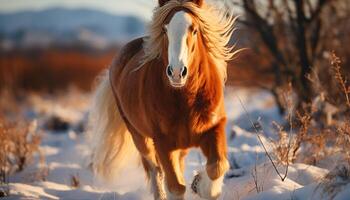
[[216, 28]]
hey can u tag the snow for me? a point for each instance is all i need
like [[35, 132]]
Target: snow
[[66, 155], [269, 183]]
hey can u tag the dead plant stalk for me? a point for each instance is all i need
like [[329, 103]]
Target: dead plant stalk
[[262, 144]]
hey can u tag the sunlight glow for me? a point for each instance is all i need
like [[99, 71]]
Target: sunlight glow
[[140, 8]]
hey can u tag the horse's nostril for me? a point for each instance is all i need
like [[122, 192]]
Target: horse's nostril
[[184, 71], [169, 71]]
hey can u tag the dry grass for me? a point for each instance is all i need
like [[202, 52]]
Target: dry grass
[[75, 181], [52, 69], [322, 131], [344, 140], [283, 145], [18, 143], [286, 143], [259, 187], [323, 128], [342, 82]]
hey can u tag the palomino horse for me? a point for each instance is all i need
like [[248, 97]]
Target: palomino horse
[[164, 95]]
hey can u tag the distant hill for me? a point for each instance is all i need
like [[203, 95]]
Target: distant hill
[[64, 26]]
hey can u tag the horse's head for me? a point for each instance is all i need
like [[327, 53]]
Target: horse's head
[[191, 38], [181, 32]]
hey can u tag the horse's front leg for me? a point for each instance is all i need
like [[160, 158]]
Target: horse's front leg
[[208, 184], [170, 161], [150, 163]]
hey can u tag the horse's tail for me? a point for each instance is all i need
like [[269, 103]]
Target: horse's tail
[[111, 142]]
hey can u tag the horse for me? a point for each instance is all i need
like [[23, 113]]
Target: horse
[[162, 95]]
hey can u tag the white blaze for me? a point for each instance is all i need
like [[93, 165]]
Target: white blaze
[[177, 31]]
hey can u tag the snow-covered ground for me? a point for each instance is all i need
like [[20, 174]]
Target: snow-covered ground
[[65, 157]]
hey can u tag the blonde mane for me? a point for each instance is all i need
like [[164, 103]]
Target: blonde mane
[[215, 26]]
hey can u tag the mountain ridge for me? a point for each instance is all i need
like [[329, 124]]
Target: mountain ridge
[[68, 25]]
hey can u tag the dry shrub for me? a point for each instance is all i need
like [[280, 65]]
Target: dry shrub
[[312, 141], [286, 143], [18, 143], [343, 140], [323, 126], [328, 131], [342, 82], [4, 179], [283, 145]]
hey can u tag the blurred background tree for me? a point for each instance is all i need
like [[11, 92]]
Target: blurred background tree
[[297, 38]]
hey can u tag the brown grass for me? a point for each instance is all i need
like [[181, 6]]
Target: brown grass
[[75, 181], [283, 145], [259, 187], [18, 143], [52, 69], [322, 132], [342, 82], [323, 128]]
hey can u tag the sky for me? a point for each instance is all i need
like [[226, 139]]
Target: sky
[[140, 8]]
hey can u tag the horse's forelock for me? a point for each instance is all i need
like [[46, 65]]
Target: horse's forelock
[[214, 25]]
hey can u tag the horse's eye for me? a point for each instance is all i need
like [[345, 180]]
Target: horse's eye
[[194, 32]]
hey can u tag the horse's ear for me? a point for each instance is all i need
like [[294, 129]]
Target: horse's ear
[[162, 2], [198, 2]]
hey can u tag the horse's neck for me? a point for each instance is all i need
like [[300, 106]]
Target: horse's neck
[[207, 97], [205, 85]]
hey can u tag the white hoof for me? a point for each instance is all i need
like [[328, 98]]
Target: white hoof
[[205, 187]]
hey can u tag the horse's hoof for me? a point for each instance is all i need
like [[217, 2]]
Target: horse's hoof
[[194, 185], [205, 187]]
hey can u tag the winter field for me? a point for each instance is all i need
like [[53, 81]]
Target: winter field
[[293, 59], [61, 171]]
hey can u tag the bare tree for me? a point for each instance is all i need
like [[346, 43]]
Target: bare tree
[[294, 33]]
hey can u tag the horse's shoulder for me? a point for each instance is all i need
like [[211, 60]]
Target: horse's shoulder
[[130, 49], [126, 53]]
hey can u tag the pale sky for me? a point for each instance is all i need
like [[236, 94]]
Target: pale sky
[[141, 8]]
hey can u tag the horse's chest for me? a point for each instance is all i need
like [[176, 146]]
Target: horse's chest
[[185, 131], [185, 119]]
